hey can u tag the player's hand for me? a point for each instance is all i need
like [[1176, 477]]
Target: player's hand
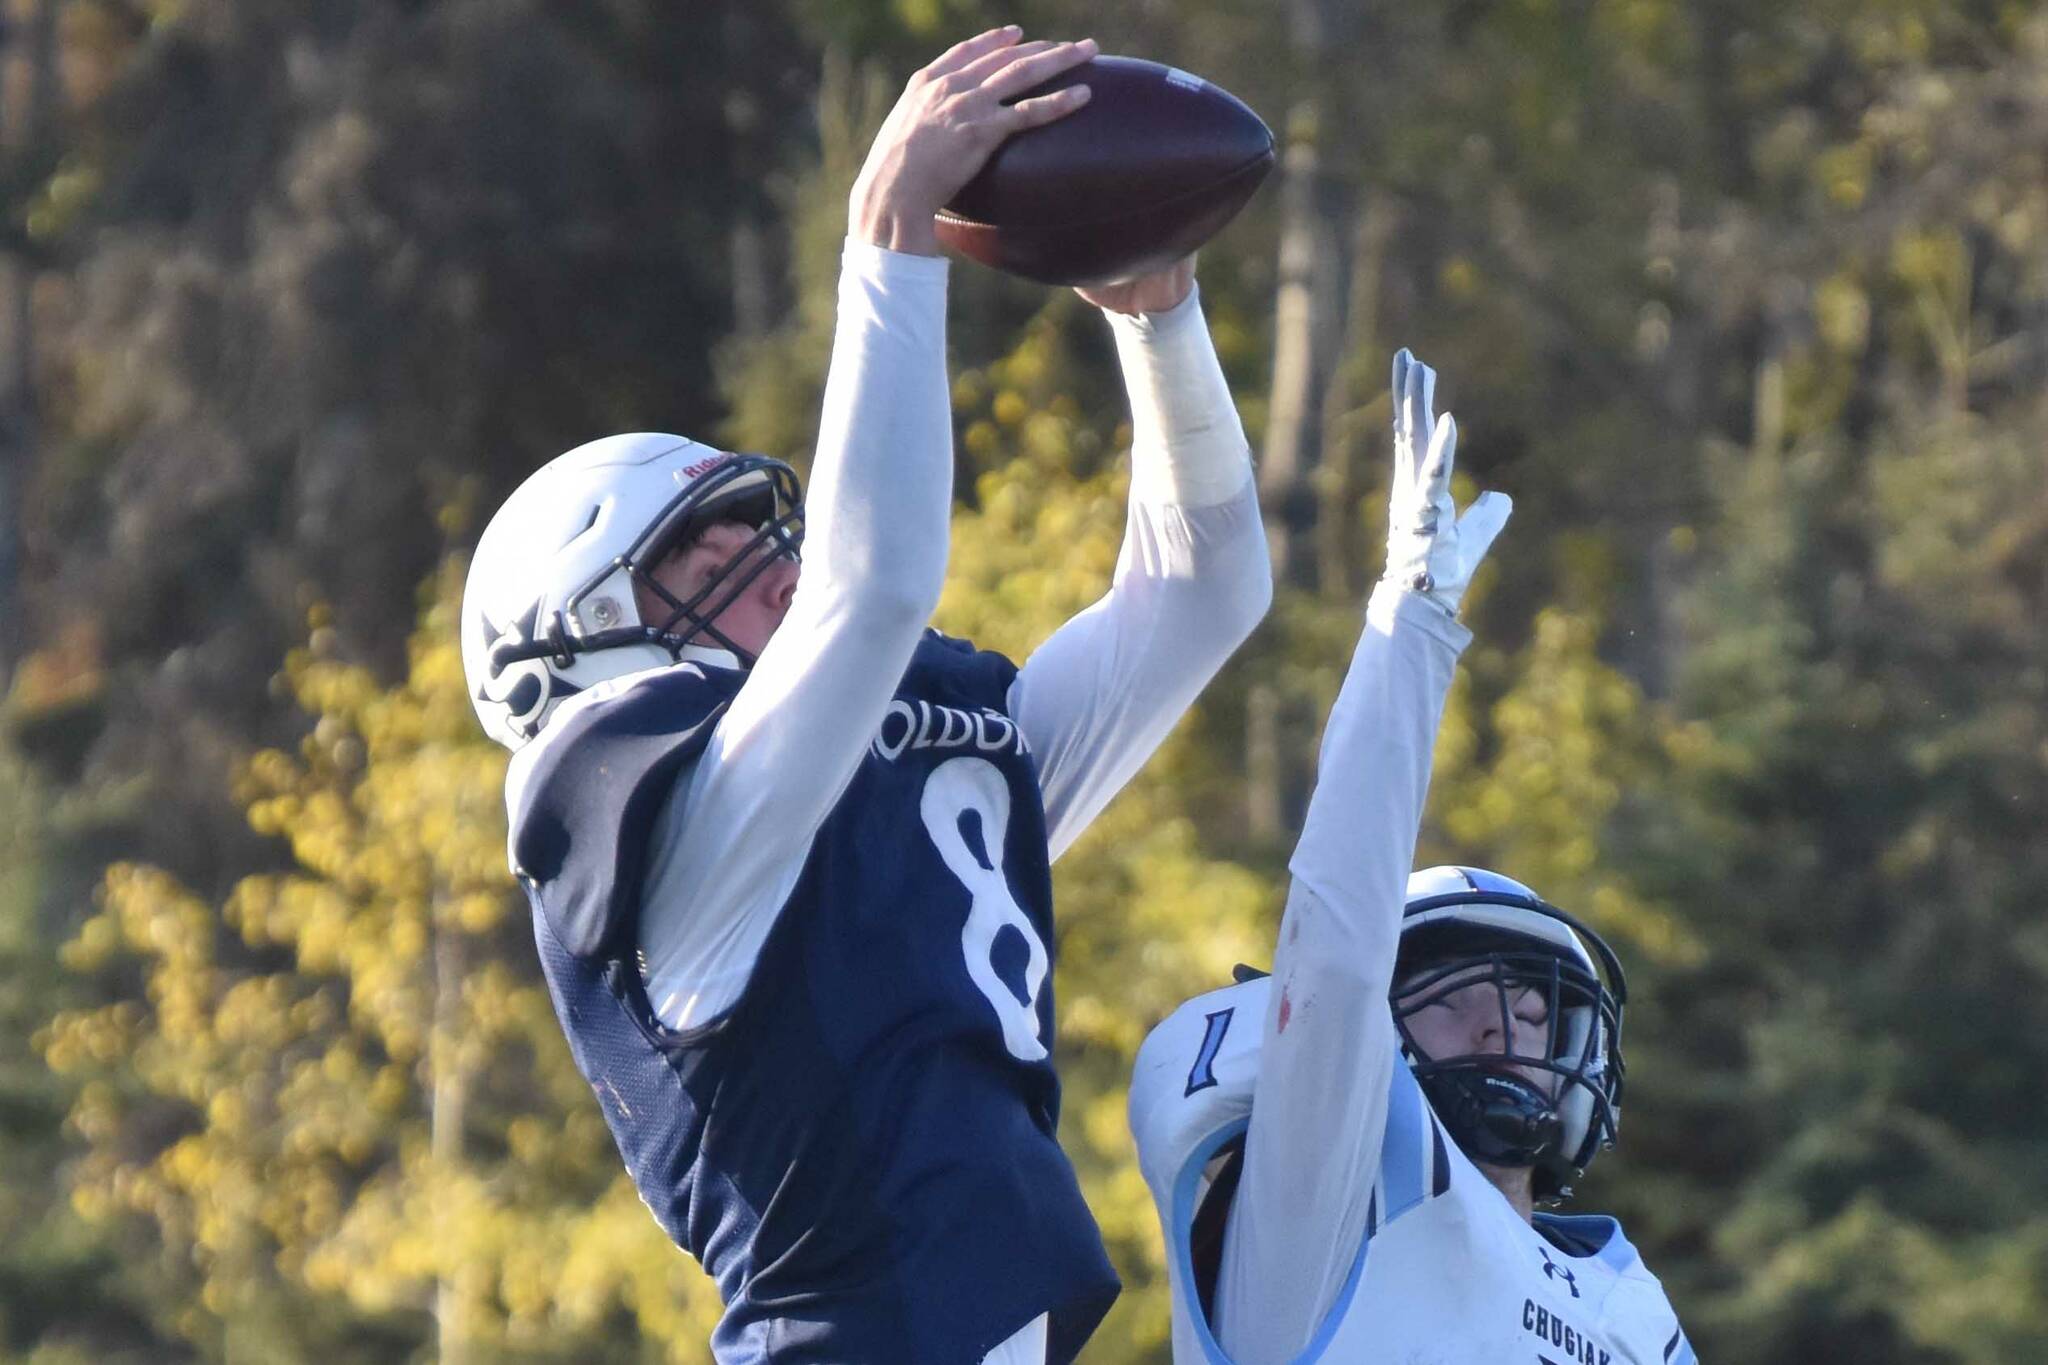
[[1430, 548], [949, 119], [1154, 293]]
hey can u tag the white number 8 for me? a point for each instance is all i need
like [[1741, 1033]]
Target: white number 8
[[966, 809]]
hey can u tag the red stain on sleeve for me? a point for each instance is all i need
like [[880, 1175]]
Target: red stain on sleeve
[[1286, 1009]]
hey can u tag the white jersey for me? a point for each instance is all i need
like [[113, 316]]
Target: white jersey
[[1357, 1231], [1445, 1273]]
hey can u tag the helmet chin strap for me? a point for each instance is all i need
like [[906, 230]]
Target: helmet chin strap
[[709, 637], [702, 651], [1497, 1120]]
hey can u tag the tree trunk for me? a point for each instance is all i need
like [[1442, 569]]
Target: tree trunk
[[450, 1100], [753, 284], [27, 83], [1308, 335], [1342, 564], [1308, 327]]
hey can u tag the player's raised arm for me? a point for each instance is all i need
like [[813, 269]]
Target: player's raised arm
[[875, 552], [1193, 578], [1329, 1049]]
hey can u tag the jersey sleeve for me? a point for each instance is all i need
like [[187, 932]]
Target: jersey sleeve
[[1641, 1317], [740, 824], [1191, 582], [1325, 1142]]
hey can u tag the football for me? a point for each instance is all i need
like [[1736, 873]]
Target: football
[[1150, 168]]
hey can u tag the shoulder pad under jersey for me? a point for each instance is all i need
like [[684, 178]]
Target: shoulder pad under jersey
[[584, 796], [1195, 1076]]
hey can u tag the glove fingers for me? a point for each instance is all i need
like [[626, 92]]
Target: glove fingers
[[1419, 402], [1482, 521], [1438, 463], [1404, 427], [1404, 415], [1418, 384]]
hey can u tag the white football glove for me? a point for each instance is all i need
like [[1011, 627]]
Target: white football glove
[[1431, 550]]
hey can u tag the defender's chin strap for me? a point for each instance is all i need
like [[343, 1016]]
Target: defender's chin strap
[[1498, 1120]]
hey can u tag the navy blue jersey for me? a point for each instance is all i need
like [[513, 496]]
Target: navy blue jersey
[[862, 1150]]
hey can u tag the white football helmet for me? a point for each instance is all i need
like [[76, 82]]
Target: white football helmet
[[1464, 925], [549, 608]]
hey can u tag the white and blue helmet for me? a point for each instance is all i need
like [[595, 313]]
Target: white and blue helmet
[[1464, 925]]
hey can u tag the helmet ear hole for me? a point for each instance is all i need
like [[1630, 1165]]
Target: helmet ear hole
[[524, 696]]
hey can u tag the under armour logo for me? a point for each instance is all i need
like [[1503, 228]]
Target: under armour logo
[[1552, 1270]]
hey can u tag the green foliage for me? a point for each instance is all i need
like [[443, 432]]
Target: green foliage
[[342, 1096], [1874, 819], [1865, 650], [62, 1295]]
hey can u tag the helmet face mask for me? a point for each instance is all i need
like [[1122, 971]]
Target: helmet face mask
[[1551, 1109], [767, 500], [552, 604]]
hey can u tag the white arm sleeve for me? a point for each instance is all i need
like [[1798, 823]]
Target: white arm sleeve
[[1313, 1150], [739, 826], [1192, 580]]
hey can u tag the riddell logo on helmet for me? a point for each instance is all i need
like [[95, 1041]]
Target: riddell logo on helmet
[[691, 471]]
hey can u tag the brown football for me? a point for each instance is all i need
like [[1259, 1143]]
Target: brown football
[[1150, 168]]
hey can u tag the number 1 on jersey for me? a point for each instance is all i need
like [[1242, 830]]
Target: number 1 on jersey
[[1202, 1074]]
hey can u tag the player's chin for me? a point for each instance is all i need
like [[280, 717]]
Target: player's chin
[[773, 614], [753, 631]]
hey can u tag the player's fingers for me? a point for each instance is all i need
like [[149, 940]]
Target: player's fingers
[[968, 49], [977, 72], [1016, 77], [1042, 109]]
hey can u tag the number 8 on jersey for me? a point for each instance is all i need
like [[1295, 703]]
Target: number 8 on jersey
[[966, 809]]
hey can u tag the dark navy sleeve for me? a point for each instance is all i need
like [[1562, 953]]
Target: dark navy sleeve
[[586, 812]]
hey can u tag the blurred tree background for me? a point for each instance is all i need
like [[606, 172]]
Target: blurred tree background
[[1746, 304]]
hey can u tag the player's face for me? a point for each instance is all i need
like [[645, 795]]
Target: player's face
[[1464, 1019], [751, 618]]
